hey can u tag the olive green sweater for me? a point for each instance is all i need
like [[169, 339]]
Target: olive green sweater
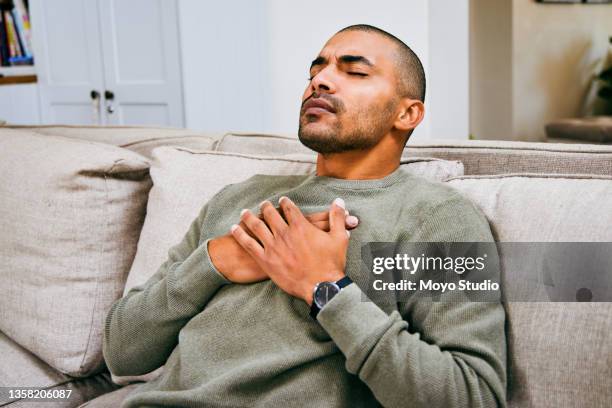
[[252, 345]]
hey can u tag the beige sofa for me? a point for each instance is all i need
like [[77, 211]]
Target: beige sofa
[[86, 213]]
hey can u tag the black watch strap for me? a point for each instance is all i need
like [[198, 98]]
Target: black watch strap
[[314, 309]]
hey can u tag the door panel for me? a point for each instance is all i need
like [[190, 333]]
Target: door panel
[[66, 41], [140, 44]]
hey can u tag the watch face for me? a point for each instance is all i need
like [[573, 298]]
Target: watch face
[[324, 292]]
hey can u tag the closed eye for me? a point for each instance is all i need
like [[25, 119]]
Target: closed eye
[[357, 73]]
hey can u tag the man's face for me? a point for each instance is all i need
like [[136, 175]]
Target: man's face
[[351, 100]]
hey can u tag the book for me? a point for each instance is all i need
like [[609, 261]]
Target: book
[[22, 21], [13, 46], [4, 53]]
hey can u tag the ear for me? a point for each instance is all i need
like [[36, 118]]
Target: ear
[[410, 114]]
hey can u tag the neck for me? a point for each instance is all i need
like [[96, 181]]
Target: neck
[[374, 163]]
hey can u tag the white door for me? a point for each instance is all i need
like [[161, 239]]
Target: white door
[[142, 70], [68, 59]]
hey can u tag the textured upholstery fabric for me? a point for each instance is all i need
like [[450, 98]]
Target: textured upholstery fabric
[[560, 352], [498, 157], [71, 213], [141, 140], [478, 156], [184, 180], [249, 143], [21, 368]]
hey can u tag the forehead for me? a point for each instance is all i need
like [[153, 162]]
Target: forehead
[[375, 47]]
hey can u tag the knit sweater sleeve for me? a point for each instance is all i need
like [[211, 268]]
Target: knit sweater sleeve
[[451, 354], [142, 328]]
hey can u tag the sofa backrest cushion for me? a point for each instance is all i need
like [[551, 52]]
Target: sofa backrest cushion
[[71, 213], [184, 180], [478, 156], [482, 157], [559, 352], [141, 140]]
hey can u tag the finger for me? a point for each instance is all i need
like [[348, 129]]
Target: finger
[[257, 227], [322, 225], [317, 216], [293, 215], [248, 243], [351, 222], [247, 230], [273, 219], [337, 225], [323, 222]]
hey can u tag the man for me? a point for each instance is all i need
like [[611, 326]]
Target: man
[[265, 306]]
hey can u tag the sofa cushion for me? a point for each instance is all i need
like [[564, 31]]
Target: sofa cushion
[[478, 156], [184, 180], [264, 144], [71, 214], [559, 352], [483, 157], [139, 139], [20, 368]]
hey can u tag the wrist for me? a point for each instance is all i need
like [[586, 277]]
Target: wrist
[[324, 292], [308, 291]]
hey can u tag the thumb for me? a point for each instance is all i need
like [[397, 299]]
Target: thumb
[[337, 222]]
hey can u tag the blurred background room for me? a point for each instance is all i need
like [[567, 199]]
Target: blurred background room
[[496, 69]]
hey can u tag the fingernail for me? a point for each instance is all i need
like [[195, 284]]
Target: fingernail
[[346, 213], [233, 228], [280, 200], [348, 233], [243, 211], [262, 203], [352, 220], [339, 202]]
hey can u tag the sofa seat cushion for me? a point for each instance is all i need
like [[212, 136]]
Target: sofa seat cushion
[[71, 214], [184, 180], [560, 352], [20, 368]]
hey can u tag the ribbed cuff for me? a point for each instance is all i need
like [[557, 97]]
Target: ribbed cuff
[[353, 321]]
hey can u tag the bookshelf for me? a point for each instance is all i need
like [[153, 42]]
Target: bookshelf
[[16, 56]]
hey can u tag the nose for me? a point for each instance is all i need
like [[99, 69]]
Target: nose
[[323, 81]]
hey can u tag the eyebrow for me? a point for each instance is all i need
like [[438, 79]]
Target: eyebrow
[[346, 59]]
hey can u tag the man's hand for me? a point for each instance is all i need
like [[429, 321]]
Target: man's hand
[[237, 266], [292, 251]]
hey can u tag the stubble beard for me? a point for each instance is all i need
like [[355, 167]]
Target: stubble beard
[[334, 139]]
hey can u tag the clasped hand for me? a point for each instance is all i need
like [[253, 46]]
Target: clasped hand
[[295, 251]]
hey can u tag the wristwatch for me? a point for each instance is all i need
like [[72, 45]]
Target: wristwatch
[[323, 292]]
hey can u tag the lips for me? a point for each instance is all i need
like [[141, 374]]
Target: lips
[[317, 105]]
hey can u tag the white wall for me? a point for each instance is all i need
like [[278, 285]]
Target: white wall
[[448, 99], [245, 62], [224, 64]]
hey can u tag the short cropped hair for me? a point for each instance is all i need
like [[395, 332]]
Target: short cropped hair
[[411, 75]]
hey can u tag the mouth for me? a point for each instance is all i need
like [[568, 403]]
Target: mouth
[[317, 106]]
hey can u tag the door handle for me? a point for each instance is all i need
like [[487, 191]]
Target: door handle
[[95, 106], [109, 96]]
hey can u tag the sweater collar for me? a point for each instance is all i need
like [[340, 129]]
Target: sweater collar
[[391, 178]]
